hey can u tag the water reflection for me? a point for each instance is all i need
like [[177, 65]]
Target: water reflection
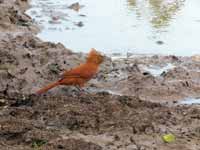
[[122, 26], [158, 12]]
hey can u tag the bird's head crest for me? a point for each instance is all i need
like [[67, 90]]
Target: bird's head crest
[[95, 57]]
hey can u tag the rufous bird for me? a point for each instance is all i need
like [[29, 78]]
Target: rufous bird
[[79, 75]]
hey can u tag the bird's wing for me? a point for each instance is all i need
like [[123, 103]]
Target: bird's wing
[[82, 71]]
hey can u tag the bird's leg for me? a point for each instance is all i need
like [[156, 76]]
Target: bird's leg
[[81, 91], [78, 91]]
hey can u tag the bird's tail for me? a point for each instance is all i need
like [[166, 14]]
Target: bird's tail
[[48, 87]]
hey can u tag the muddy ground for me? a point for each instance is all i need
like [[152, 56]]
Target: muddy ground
[[129, 105]]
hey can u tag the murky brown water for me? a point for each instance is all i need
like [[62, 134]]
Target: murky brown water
[[121, 26]]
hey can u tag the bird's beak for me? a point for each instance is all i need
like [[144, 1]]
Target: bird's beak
[[103, 55]]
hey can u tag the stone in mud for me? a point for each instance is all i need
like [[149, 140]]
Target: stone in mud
[[2, 102], [132, 147], [54, 68], [82, 15], [55, 18], [196, 58], [75, 6], [79, 24], [159, 42]]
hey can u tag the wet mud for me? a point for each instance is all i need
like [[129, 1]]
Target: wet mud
[[130, 104]]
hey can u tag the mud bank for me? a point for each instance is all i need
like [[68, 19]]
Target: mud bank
[[98, 121], [63, 118], [153, 78]]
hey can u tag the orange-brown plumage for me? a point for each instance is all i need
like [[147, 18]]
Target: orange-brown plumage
[[79, 75]]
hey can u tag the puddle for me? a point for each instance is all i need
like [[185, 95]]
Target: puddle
[[121, 26], [128, 55], [190, 101], [158, 70], [113, 92]]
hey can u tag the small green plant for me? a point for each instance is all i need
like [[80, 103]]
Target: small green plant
[[36, 144]]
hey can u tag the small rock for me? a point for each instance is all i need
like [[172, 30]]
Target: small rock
[[196, 58], [2, 102], [117, 138], [197, 131], [75, 6], [54, 68], [55, 18], [132, 147], [146, 73], [82, 15], [159, 42], [79, 24]]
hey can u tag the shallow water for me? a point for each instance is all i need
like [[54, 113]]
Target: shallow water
[[190, 101], [121, 26], [158, 70]]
